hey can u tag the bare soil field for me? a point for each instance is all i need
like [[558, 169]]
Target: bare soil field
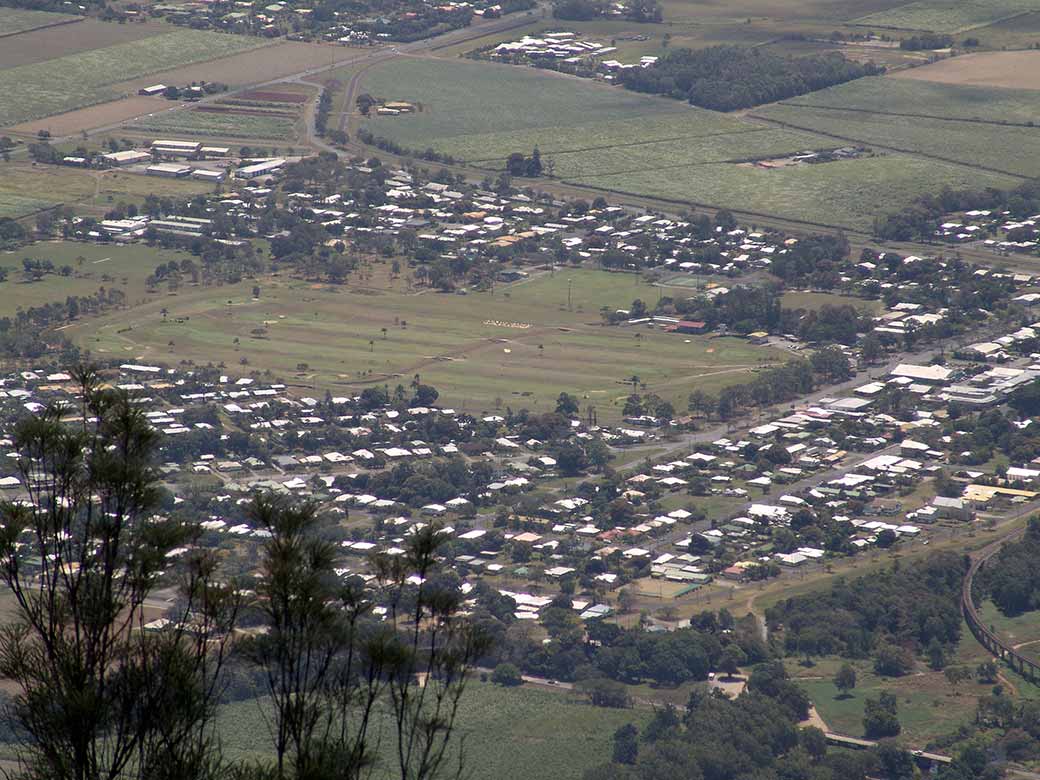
[[251, 67], [91, 117], [34, 46], [1011, 69]]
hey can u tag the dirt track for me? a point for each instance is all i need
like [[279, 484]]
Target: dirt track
[[1013, 69]]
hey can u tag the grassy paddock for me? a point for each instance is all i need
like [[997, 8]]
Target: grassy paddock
[[125, 267], [21, 185]]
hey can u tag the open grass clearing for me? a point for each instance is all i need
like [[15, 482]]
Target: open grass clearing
[[14, 206], [93, 266], [928, 706], [86, 78], [19, 20], [92, 191], [814, 301], [946, 16], [470, 348], [1013, 150]]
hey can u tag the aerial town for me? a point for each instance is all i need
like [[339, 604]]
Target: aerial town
[[542, 389]]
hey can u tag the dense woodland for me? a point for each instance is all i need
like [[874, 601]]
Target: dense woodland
[[583, 10], [727, 78], [892, 616], [756, 736], [1011, 578]]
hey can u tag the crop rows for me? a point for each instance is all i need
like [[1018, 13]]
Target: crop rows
[[946, 16], [220, 125], [86, 78]]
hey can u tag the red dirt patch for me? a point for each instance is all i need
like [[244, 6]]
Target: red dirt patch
[[272, 97], [239, 110]]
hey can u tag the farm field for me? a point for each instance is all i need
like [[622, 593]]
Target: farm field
[[946, 16], [911, 96], [1011, 69], [1008, 149], [461, 97], [18, 20], [512, 734], [265, 61], [124, 266], [93, 191], [213, 124], [618, 141], [77, 80], [39, 45], [848, 193], [103, 114], [664, 155], [521, 346]]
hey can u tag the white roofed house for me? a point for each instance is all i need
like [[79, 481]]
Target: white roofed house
[[953, 508]]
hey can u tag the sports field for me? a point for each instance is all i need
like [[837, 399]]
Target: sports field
[[86, 78], [946, 16], [521, 346], [18, 20]]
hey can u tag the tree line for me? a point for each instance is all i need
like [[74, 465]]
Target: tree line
[[727, 78]]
